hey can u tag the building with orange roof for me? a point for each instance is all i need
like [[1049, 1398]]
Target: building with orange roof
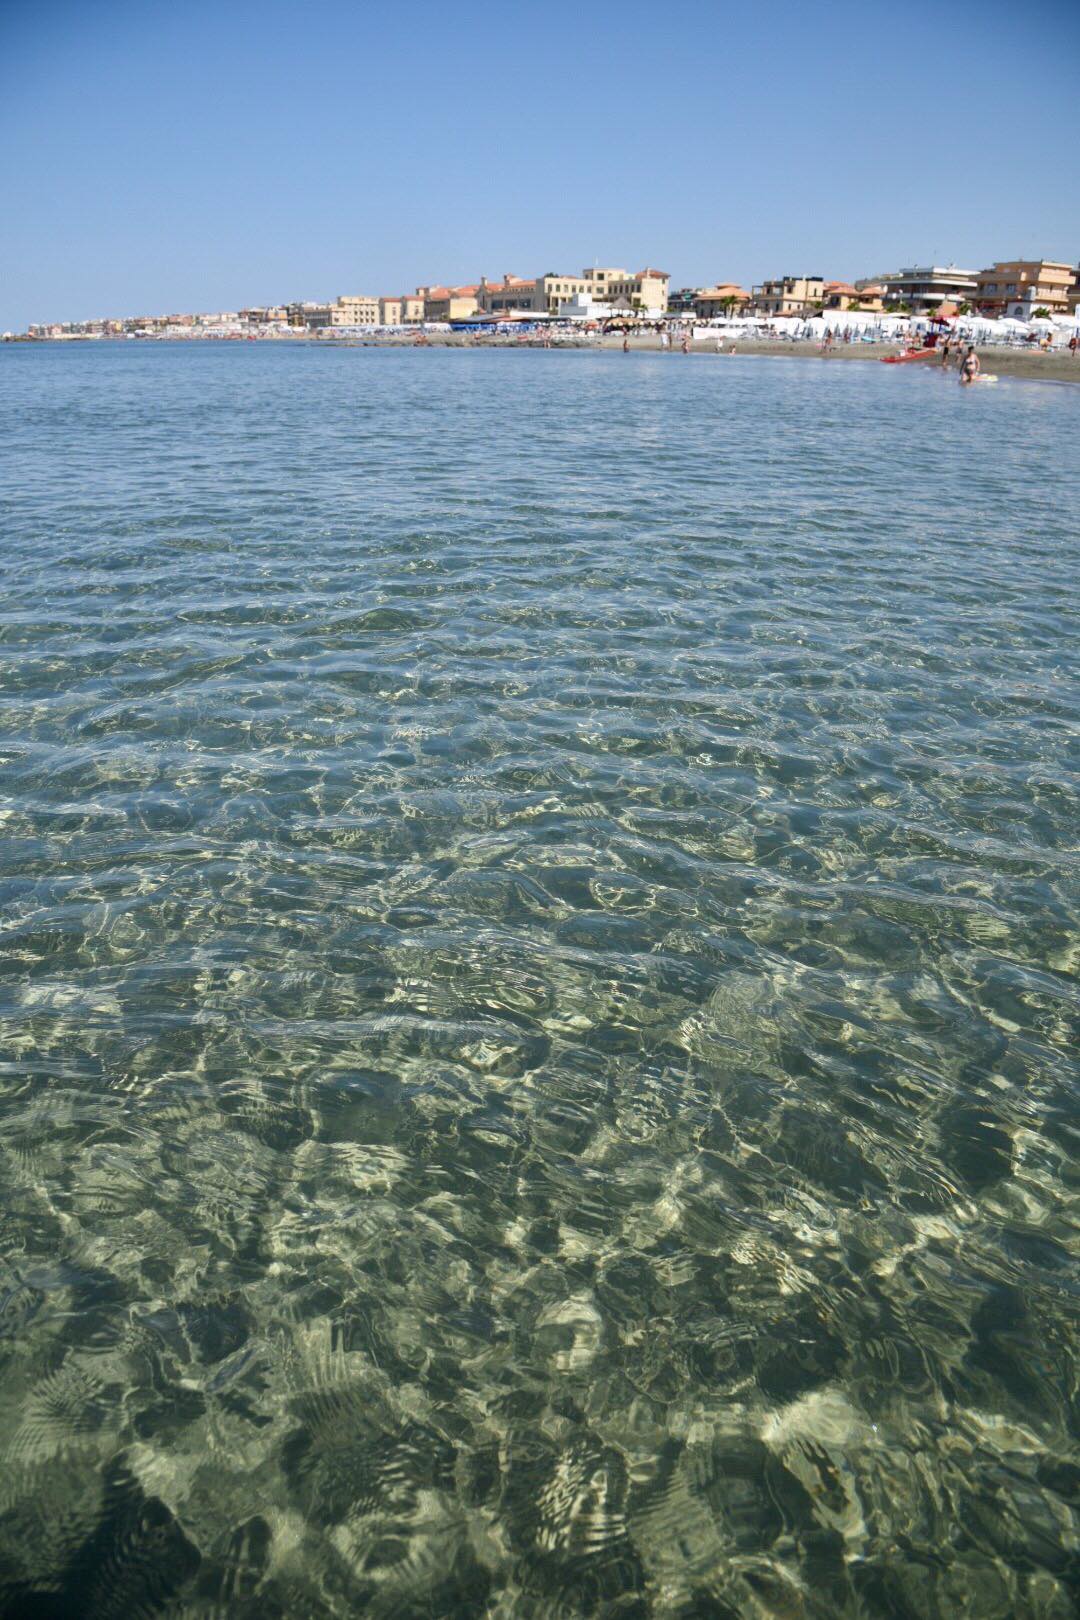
[[511, 293], [724, 298], [843, 296], [448, 303]]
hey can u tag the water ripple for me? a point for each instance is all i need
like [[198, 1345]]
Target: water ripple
[[539, 988]]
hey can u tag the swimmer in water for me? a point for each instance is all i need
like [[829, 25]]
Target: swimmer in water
[[969, 366]]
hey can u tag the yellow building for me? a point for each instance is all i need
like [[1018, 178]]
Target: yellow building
[[1018, 287], [407, 310], [346, 311], [356, 312], [448, 303], [840, 295], [789, 295], [511, 293], [725, 298], [645, 291]]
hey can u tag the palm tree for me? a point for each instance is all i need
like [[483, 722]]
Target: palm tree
[[1041, 314]]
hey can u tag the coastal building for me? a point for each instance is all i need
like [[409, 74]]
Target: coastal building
[[643, 291], [646, 291], [789, 295], [1018, 287], [511, 293], [299, 314], [726, 298], [401, 310], [869, 298], [448, 303], [921, 288], [681, 301], [355, 311], [582, 306], [345, 311], [268, 315]]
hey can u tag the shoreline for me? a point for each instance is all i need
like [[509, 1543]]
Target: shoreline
[[1028, 365], [1002, 362]]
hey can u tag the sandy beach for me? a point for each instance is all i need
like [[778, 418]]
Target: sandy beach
[[1057, 367], [1034, 364]]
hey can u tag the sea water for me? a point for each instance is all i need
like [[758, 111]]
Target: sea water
[[538, 996]]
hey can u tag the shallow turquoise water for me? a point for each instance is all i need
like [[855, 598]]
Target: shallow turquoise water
[[538, 989]]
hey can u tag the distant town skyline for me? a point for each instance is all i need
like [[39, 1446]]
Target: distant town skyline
[[1017, 290], [202, 157]]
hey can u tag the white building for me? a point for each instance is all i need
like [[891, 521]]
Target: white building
[[923, 287], [583, 307]]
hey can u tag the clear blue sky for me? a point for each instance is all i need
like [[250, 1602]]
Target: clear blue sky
[[193, 155]]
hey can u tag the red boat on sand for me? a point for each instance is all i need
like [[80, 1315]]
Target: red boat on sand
[[925, 350]]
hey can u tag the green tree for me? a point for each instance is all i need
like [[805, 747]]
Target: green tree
[[1041, 314]]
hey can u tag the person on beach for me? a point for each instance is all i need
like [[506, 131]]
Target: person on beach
[[686, 343], [970, 367], [945, 350], [626, 343], [1073, 345]]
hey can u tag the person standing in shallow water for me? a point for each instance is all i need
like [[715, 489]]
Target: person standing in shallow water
[[969, 366]]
